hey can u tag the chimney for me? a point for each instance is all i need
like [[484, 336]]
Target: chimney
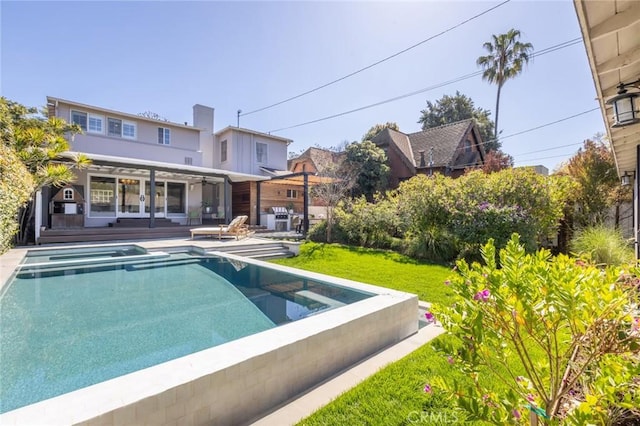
[[203, 117]]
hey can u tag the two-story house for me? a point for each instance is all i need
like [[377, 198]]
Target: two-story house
[[155, 169], [449, 149]]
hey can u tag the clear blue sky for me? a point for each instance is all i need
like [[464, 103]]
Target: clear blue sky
[[167, 56]]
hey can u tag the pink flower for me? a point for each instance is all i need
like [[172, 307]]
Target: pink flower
[[427, 388], [636, 324], [483, 295], [450, 360], [447, 282], [531, 398], [429, 317], [516, 414]]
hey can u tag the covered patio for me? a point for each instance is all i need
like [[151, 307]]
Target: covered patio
[[146, 199], [611, 33]]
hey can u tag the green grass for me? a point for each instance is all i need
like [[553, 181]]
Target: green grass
[[378, 267], [394, 395]]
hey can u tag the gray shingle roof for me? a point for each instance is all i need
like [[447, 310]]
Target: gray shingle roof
[[443, 139], [321, 158]]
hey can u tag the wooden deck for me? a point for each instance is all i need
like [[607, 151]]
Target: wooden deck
[[49, 236]]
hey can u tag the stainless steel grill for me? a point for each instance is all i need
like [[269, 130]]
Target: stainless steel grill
[[281, 218]]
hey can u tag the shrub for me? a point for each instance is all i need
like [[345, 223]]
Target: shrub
[[16, 185], [602, 245], [564, 338], [368, 224]]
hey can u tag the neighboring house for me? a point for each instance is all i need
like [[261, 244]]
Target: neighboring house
[[448, 149], [315, 161], [184, 166]]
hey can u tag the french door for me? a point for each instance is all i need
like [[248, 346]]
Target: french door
[[134, 198]]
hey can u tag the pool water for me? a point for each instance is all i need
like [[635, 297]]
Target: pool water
[[64, 328]]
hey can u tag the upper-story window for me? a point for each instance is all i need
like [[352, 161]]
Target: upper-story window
[[261, 152], [79, 118], [223, 151], [292, 193], [96, 124], [67, 194], [164, 136], [114, 127], [121, 129], [128, 130], [467, 146]]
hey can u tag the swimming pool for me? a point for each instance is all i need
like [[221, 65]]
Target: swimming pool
[[69, 322]]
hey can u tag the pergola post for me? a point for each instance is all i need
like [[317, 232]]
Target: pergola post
[[305, 198], [227, 200], [258, 186], [152, 198]]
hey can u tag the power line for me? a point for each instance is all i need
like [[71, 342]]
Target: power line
[[551, 123], [562, 45], [551, 149], [377, 62]]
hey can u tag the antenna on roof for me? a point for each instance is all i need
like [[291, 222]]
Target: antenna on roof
[[239, 112]]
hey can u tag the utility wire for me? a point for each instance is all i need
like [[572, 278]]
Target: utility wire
[[551, 123], [377, 62], [426, 89]]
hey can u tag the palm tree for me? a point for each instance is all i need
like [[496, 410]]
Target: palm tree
[[504, 61]]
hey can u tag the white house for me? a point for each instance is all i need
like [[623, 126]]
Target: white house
[[148, 168]]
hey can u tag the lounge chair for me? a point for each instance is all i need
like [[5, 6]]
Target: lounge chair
[[236, 228]]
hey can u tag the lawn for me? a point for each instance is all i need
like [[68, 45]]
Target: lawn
[[394, 395], [378, 267]]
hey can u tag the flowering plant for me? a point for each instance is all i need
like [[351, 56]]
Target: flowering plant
[[546, 328]]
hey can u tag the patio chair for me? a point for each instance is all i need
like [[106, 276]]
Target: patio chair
[[236, 228], [194, 217]]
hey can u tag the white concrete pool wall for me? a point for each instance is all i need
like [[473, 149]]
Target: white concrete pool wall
[[239, 381]]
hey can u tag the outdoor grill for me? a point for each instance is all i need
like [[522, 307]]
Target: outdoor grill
[[281, 218]]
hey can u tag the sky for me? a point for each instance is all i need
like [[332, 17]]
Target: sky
[[164, 57]]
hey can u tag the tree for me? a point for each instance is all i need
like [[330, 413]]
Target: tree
[[369, 163], [495, 161], [506, 56], [450, 109], [594, 170], [37, 141], [374, 130], [336, 180]]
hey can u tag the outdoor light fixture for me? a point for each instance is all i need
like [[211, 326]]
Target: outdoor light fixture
[[625, 180], [625, 105]]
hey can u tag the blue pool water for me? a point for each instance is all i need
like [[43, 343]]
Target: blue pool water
[[67, 327]]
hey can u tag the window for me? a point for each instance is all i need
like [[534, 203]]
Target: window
[[467, 146], [67, 194], [79, 118], [164, 136], [261, 152], [223, 151], [176, 197], [96, 124], [102, 195], [128, 130], [292, 193], [114, 127], [188, 161]]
